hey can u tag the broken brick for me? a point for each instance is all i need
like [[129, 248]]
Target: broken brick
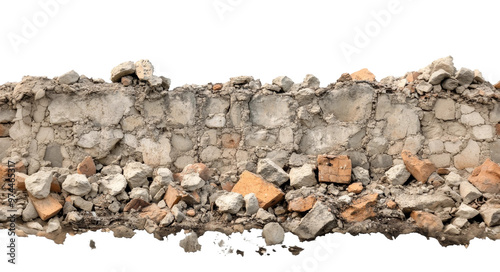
[[199, 168], [419, 169], [172, 196], [136, 204], [412, 76], [391, 204], [356, 188], [486, 177], [153, 212], [363, 74], [362, 209], [267, 193], [217, 87], [301, 204], [334, 169], [191, 198], [86, 167], [46, 207], [427, 221]]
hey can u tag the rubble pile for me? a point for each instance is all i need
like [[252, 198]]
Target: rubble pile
[[417, 153]]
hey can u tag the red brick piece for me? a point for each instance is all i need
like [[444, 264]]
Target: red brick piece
[[172, 196], [47, 207], [419, 169], [362, 209], [334, 169], [267, 193], [86, 167], [301, 204], [486, 177]]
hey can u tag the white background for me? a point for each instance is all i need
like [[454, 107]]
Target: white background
[[201, 41]]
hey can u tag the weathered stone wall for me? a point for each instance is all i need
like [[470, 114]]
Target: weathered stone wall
[[231, 126]]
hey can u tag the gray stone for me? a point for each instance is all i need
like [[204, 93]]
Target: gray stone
[[69, 78], [53, 225], [452, 147], [113, 184], [192, 181], [495, 151], [7, 115], [29, 213], [181, 109], [77, 184], [424, 87], [410, 203], [469, 192], [167, 220], [144, 69], [260, 138], [284, 82], [377, 145], [34, 225], [265, 215], [155, 81], [271, 111], [53, 155], [440, 160], [73, 217], [436, 146], [190, 243], [317, 221], [397, 175], [311, 81], [5, 144], [141, 193], [478, 76], [239, 80], [444, 109], [453, 179], [402, 121], [495, 114], [459, 222], [273, 234], [38, 184], [114, 207], [123, 69], [251, 204], [230, 202], [445, 63], [348, 104], [451, 229], [381, 161], [362, 175], [469, 157], [465, 76], [137, 174], [68, 207], [271, 172], [466, 211], [490, 213], [178, 214], [484, 132], [438, 76], [155, 152], [322, 139], [450, 84], [82, 203], [472, 119]]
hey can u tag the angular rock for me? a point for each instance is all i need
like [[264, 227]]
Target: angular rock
[[468, 192], [178, 214], [137, 174], [303, 176], [409, 203], [172, 196], [490, 212], [397, 175], [317, 221], [29, 213], [154, 213], [466, 211], [465, 77], [454, 179], [264, 215], [190, 243], [267, 194], [420, 169], [251, 204], [111, 170], [191, 182], [46, 207], [82, 203], [450, 84], [334, 169], [284, 82], [301, 204], [363, 74], [167, 220], [310, 81], [144, 69], [199, 168], [486, 177], [122, 232], [424, 87], [427, 221], [38, 184], [273, 234], [141, 193], [363, 208], [113, 184], [230, 202], [271, 172], [53, 225], [86, 167], [123, 69], [76, 184], [438, 76], [69, 78], [451, 229]]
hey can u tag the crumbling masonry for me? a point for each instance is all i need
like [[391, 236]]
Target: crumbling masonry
[[417, 153]]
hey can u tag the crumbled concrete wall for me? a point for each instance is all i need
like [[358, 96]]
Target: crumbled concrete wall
[[46, 123]]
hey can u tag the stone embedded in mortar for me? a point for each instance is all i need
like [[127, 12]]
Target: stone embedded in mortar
[[267, 194], [335, 169], [486, 177], [284, 82], [469, 157], [420, 169]]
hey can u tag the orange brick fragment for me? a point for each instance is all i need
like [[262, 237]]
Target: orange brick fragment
[[419, 169], [301, 204], [486, 177], [356, 188], [86, 167], [362, 209], [427, 221], [334, 169], [267, 193], [363, 74], [47, 207], [172, 196]]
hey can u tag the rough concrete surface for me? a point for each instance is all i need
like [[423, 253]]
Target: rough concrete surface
[[416, 153]]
